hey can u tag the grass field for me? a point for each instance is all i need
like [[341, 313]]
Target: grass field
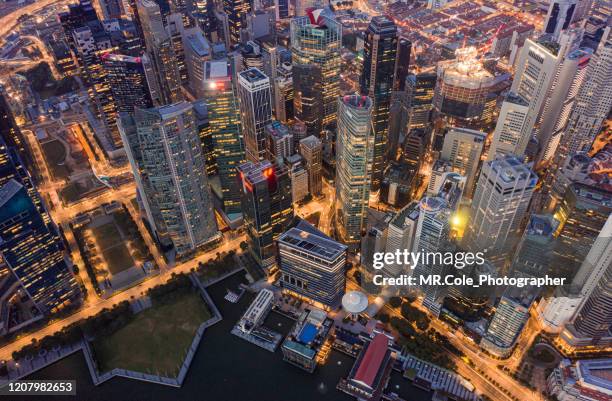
[[157, 340], [55, 155], [114, 250]]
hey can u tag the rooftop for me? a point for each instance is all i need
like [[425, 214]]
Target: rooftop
[[308, 239], [372, 360]]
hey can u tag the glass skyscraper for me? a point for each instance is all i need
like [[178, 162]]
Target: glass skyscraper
[[165, 152], [255, 111], [354, 154], [318, 41]]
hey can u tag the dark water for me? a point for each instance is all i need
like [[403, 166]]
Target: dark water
[[227, 368]]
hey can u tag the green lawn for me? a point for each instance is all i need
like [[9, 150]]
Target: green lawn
[[114, 251], [157, 339], [55, 155]]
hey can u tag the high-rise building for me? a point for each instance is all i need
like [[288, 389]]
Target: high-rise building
[[312, 265], [534, 254], [299, 177], [161, 50], [224, 121], [311, 149], [236, 11], [511, 314], [463, 149], [281, 9], [128, 82], [593, 101], [535, 71], [431, 235], [380, 50], [401, 235], [402, 64], [420, 88], [204, 14], [78, 14], [267, 206], [165, 152], [197, 52], [279, 141], [500, 202], [511, 134], [466, 91], [32, 252], [558, 106], [317, 39], [354, 153], [302, 6], [200, 111], [559, 16], [255, 111], [308, 97], [283, 93]]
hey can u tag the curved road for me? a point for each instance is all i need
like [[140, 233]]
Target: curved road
[[9, 22]]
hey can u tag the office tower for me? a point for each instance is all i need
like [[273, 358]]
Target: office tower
[[593, 101], [259, 24], [401, 235], [415, 147], [311, 149], [535, 71], [204, 14], [197, 52], [421, 92], [279, 141], [559, 16], [501, 199], [266, 206], [380, 50], [466, 91], [10, 132], [255, 111], [402, 64], [590, 328], [78, 14], [299, 131], [165, 152], [281, 9], [299, 177], [559, 104], [511, 314], [463, 148], [317, 39], [161, 50], [354, 155], [512, 133], [283, 93], [128, 83], [224, 121], [32, 251], [236, 11], [308, 97], [534, 253], [200, 112], [432, 235], [312, 265], [582, 213], [556, 311]]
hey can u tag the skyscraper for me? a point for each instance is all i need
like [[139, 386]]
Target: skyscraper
[[402, 64], [463, 149], [166, 156], [266, 206], [312, 265], [500, 202], [32, 251], [236, 11], [127, 79], [317, 39], [593, 101], [511, 134], [559, 16], [308, 97], [255, 111], [380, 50], [420, 88], [311, 149], [204, 14], [224, 120], [279, 141], [431, 236], [354, 155]]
